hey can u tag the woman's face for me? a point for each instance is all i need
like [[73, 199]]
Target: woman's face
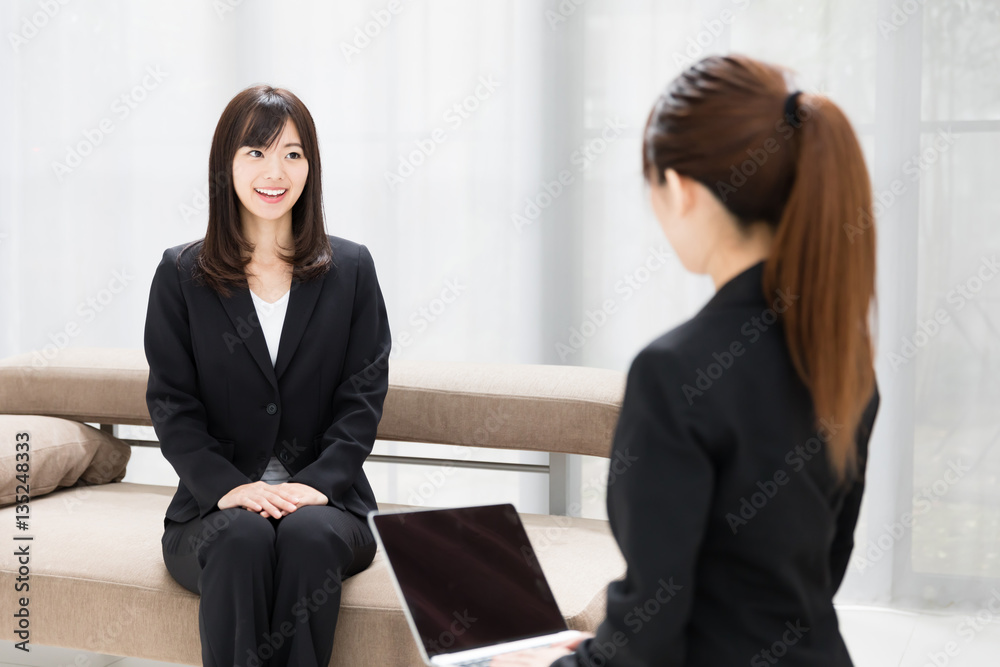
[[268, 181]]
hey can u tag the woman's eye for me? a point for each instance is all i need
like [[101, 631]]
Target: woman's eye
[[254, 150]]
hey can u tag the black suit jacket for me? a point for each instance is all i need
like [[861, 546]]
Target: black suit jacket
[[219, 407], [723, 502]]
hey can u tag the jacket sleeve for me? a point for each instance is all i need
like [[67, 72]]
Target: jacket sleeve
[[658, 507], [843, 540], [172, 397], [359, 397]]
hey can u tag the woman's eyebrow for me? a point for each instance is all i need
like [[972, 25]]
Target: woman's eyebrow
[[262, 146]]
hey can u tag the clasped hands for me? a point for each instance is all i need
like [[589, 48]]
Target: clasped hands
[[276, 500]]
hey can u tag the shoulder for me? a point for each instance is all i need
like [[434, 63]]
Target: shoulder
[[184, 251], [671, 369], [673, 350], [657, 369], [745, 340], [344, 247], [350, 255], [655, 413], [180, 259], [682, 339]]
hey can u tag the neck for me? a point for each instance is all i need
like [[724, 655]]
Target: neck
[[269, 237], [733, 259]]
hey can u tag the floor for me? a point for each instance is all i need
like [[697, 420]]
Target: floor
[[876, 638]]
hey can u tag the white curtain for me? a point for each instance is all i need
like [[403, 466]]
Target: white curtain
[[512, 128]]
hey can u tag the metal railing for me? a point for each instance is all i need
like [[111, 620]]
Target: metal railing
[[563, 470]]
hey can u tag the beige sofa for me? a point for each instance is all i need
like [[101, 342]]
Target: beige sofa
[[98, 582]]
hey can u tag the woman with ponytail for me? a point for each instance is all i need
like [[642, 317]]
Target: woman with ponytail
[[749, 423]]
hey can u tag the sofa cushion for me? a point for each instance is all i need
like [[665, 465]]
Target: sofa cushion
[[60, 452], [98, 581]]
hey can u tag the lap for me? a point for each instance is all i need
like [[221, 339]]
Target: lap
[[187, 537], [353, 529], [182, 541]]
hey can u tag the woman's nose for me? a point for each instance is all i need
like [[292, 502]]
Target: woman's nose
[[274, 168]]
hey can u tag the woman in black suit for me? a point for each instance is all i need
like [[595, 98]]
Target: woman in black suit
[[749, 424], [268, 347]]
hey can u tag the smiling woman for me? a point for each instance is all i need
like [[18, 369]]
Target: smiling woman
[[264, 145], [259, 169], [240, 333]]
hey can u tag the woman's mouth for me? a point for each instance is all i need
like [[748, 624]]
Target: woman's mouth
[[271, 196]]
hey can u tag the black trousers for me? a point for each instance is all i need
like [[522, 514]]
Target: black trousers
[[270, 588]]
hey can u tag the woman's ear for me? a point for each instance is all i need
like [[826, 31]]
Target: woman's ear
[[675, 193], [680, 191]]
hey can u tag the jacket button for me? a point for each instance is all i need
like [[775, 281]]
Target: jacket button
[[283, 455], [271, 408]]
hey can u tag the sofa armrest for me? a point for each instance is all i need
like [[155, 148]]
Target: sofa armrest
[[88, 384]]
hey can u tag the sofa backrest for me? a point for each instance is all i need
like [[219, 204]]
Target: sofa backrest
[[562, 409]]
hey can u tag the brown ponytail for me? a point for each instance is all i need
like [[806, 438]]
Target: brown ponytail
[[721, 123]]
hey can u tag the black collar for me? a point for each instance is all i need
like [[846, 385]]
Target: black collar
[[743, 289]]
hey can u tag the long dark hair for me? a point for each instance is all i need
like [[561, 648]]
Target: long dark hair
[[255, 117], [721, 122]]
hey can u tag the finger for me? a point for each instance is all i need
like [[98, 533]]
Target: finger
[[573, 641], [281, 501], [534, 657], [515, 660], [518, 659], [292, 498], [252, 505], [285, 505], [271, 509]]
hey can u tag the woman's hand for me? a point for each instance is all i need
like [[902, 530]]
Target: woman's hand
[[305, 494], [540, 657], [274, 500]]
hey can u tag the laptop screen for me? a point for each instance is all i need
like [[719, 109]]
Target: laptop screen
[[469, 576]]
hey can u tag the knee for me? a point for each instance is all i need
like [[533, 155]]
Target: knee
[[307, 531], [363, 557], [234, 529]]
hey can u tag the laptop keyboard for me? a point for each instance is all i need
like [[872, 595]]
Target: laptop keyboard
[[479, 663]]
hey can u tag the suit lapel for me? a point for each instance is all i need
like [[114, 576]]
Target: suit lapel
[[301, 302]]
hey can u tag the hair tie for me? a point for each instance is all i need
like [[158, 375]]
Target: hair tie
[[790, 107]]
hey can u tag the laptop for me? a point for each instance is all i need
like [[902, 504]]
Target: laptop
[[469, 581]]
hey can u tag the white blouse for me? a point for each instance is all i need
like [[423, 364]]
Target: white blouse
[[272, 317]]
